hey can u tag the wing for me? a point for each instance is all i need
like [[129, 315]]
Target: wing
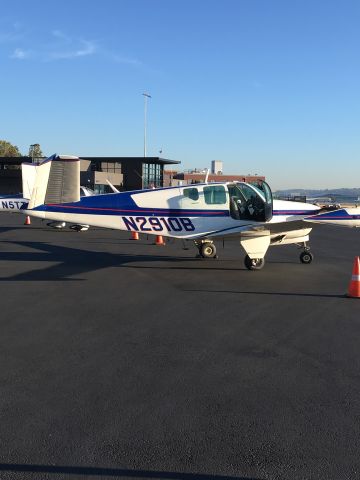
[[260, 229], [256, 238]]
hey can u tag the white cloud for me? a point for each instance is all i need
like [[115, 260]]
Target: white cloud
[[60, 46], [19, 54], [84, 49]]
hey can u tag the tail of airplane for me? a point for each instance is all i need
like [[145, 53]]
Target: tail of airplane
[[56, 180], [28, 174]]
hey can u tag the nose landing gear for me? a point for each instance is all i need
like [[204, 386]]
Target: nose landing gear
[[306, 256], [254, 263]]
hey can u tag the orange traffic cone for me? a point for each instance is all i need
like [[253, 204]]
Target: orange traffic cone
[[27, 220], [159, 240], [354, 285], [134, 236]]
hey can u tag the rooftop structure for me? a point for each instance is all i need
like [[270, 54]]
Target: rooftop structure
[[173, 178]]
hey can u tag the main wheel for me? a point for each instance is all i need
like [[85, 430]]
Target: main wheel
[[79, 227], [57, 225], [254, 263], [207, 250], [306, 257]]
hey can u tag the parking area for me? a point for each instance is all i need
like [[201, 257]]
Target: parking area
[[124, 359]]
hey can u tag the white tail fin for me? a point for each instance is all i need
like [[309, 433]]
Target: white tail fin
[[57, 180], [28, 174]]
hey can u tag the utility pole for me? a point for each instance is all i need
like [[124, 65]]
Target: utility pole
[[146, 96], [32, 151]]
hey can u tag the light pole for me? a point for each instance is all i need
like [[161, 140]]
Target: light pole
[[146, 96], [32, 151]]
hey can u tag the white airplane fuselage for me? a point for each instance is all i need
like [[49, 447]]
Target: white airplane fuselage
[[166, 212]]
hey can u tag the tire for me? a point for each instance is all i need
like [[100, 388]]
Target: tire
[[56, 225], [79, 228], [254, 263], [306, 257], [207, 250]]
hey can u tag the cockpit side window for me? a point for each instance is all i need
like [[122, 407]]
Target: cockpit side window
[[215, 195], [191, 193]]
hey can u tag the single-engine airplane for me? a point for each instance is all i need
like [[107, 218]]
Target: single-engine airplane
[[201, 212]]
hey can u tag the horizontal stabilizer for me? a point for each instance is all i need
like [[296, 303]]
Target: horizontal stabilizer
[[349, 217]]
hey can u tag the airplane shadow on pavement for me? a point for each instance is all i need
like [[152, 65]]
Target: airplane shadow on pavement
[[114, 472], [68, 262]]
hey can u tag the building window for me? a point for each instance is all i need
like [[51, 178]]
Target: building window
[[99, 189], [152, 175], [111, 167], [215, 195]]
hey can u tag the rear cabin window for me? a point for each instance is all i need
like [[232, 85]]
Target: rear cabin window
[[215, 195], [191, 193]]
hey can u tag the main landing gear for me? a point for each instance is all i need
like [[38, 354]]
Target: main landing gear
[[306, 256], [206, 248]]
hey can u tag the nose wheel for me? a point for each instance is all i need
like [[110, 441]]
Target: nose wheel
[[306, 257], [254, 263]]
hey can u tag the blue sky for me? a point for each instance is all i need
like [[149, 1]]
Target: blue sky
[[267, 86]]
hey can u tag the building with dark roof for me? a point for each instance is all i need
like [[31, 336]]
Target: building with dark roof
[[125, 173]]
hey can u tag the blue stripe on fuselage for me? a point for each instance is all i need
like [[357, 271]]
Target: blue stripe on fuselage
[[83, 210], [294, 212], [123, 204]]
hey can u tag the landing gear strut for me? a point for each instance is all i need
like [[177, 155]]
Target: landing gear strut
[[254, 263], [306, 256], [206, 249]]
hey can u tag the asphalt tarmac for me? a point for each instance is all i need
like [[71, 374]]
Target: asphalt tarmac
[[122, 359]]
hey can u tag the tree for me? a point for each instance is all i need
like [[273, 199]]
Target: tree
[[8, 150], [35, 151]]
